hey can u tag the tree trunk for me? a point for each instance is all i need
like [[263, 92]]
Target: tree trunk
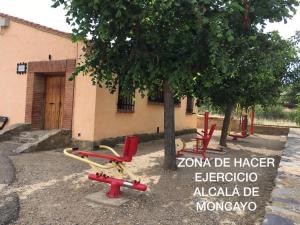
[[226, 123], [169, 128]]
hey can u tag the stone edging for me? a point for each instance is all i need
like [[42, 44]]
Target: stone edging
[[284, 208], [7, 166], [9, 204], [112, 142], [13, 130]]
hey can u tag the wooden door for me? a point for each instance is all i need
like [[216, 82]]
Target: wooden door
[[54, 101]]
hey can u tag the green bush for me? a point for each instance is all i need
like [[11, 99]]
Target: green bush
[[275, 112], [206, 105], [270, 112]]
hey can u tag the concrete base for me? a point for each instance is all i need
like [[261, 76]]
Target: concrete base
[[101, 198]]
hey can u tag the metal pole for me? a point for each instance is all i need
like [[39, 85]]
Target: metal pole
[[206, 115], [252, 121]]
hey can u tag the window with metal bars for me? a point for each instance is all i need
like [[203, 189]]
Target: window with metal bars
[[125, 102], [158, 97], [189, 105]]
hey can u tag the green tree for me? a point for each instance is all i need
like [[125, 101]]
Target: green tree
[[291, 89], [141, 44], [297, 115], [289, 93], [250, 63]]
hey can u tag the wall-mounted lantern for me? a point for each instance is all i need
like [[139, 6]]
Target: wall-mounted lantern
[[21, 68]]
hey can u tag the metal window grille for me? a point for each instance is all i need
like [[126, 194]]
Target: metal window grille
[[189, 104], [125, 103], [158, 97]]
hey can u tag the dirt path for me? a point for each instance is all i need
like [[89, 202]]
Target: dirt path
[[52, 188]]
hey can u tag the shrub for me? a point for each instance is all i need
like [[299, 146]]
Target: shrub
[[277, 112], [271, 112]]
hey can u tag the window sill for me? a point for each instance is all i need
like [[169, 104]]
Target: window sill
[[161, 103], [190, 113], [125, 111]]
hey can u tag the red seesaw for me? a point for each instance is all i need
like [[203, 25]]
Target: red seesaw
[[114, 161]]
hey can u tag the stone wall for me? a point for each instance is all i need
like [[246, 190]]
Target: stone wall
[[271, 130], [112, 142], [235, 126], [217, 120]]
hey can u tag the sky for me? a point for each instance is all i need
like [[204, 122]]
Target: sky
[[40, 11]]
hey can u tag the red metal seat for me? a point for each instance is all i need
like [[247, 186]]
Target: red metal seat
[[235, 136], [210, 133], [130, 149], [202, 142], [243, 133], [205, 141]]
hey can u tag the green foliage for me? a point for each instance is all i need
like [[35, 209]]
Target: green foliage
[[138, 43], [274, 112], [191, 47], [250, 67], [254, 67], [247, 68], [145, 45], [206, 105], [141, 43], [290, 94]]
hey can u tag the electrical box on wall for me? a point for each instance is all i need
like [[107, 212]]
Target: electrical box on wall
[[4, 22]]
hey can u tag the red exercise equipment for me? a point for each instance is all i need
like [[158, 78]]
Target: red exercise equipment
[[114, 161], [243, 133], [115, 184], [252, 121], [202, 139]]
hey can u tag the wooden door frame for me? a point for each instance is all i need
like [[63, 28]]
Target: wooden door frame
[[35, 94]]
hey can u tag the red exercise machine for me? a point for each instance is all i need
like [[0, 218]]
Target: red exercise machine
[[114, 161], [201, 140], [244, 125]]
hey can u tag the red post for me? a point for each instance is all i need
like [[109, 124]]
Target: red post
[[206, 117], [252, 122]]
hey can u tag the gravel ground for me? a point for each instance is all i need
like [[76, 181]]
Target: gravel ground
[[52, 188]]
